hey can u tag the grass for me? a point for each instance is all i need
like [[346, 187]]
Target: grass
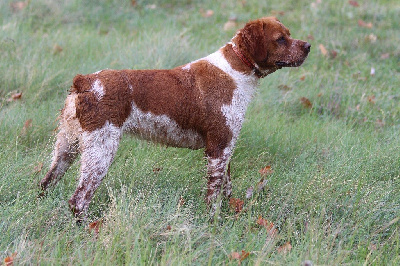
[[334, 191]]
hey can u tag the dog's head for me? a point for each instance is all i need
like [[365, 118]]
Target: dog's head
[[267, 41]]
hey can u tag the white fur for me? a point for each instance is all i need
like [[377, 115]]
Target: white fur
[[242, 95], [161, 128], [98, 89]]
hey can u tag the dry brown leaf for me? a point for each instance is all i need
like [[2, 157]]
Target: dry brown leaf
[[157, 169], [133, 3], [235, 256], [168, 227], [354, 3], [385, 56], [230, 25], [302, 78], [236, 204], [364, 24], [57, 49], [38, 167], [323, 50], [371, 99], [9, 261], [310, 37], [306, 102], [284, 87], [244, 255], [276, 13], [206, 14], [239, 256], [333, 54], [181, 201], [96, 226], [267, 170], [15, 96], [269, 226], [18, 6], [379, 123], [27, 125], [285, 248]]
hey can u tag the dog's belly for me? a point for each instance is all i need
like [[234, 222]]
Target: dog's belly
[[161, 129]]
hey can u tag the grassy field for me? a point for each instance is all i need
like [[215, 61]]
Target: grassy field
[[329, 130]]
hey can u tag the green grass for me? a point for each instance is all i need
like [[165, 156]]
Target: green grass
[[334, 193]]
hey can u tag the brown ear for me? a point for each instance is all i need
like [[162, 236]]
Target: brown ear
[[253, 35]]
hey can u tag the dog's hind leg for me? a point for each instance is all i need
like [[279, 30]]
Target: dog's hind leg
[[66, 147], [98, 151], [65, 152]]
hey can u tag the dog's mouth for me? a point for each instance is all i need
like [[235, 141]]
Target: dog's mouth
[[281, 64]]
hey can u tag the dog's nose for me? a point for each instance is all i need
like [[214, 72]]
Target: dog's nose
[[307, 46]]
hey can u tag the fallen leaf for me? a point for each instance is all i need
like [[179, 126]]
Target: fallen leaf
[[371, 99], [152, 6], [206, 14], [157, 169], [323, 50], [239, 256], [306, 102], [333, 54], [9, 261], [364, 24], [371, 38], [181, 201], [230, 25], [267, 170], [235, 256], [385, 56], [302, 78], [379, 123], [249, 192], [133, 2], [57, 49], [244, 255], [285, 248], [15, 96], [95, 226], [269, 226], [236, 204], [27, 125], [18, 6], [38, 167], [354, 3], [284, 87], [168, 227], [276, 13]]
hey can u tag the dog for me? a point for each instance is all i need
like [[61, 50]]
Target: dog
[[201, 104]]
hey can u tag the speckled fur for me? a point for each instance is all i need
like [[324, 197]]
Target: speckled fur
[[198, 105]]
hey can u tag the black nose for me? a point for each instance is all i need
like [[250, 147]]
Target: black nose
[[307, 46]]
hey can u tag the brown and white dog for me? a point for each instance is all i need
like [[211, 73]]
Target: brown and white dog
[[198, 105]]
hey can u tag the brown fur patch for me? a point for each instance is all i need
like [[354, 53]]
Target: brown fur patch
[[192, 98]]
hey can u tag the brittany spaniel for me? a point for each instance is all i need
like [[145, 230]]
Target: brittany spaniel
[[198, 105]]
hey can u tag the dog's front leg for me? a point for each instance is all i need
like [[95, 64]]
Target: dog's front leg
[[217, 173]]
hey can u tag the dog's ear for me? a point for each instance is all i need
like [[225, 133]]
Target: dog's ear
[[255, 39]]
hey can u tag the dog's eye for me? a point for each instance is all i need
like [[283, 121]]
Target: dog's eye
[[281, 40]]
